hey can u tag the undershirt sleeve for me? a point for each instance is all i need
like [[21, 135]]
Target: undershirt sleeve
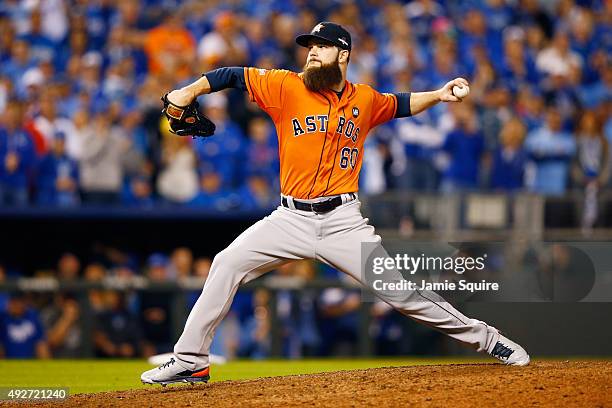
[[226, 77], [403, 105]]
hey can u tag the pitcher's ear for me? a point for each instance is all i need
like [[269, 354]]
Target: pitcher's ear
[[344, 56]]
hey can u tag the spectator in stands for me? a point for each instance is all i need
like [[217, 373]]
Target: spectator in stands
[[181, 263], [21, 332], [7, 37], [225, 45], [123, 45], [48, 123], [178, 179], [338, 321], [493, 112], [90, 74], [132, 16], [6, 89], [17, 157], [68, 267], [156, 309], [118, 83], [498, 14], [138, 192], [531, 12], [95, 273], [214, 193], [584, 39], [591, 166], [509, 158], [257, 193], [400, 53], [58, 176], [444, 66], [594, 94], [465, 147], [81, 118], [63, 324], [283, 30], [419, 139], [255, 339], [558, 60], [201, 267], [19, 61], [157, 269], [259, 43], [517, 68], [262, 150], [170, 48], [41, 47], [225, 152], [387, 330], [551, 150], [117, 332], [297, 313], [101, 165], [421, 14], [131, 123], [530, 108], [54, 22], [475, 34], [31, 87], [73, 49]]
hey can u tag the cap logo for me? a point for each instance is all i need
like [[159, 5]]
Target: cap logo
[[318, 28], [343, 41]]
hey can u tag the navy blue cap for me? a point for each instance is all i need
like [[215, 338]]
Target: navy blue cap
[[329, 32], [157, 260]]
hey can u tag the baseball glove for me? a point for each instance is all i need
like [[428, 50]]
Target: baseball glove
[[187, 120]]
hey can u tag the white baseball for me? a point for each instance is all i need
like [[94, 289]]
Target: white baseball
[[461, 91]]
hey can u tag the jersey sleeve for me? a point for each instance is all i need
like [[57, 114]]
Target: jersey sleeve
[[265, 87], [384, 107]]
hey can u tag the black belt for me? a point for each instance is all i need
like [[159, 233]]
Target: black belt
[[319, 207]]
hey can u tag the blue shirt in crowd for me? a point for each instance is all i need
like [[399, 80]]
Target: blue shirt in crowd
[[465, 150], [508, 169], [21, 144], [551, 152], [50, 169], [19, 335]]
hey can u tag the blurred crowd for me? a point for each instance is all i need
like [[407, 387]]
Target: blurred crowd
[[142, 323], [80, 83]]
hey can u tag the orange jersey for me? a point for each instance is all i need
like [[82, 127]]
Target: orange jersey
[[320, 137], [166, 47]]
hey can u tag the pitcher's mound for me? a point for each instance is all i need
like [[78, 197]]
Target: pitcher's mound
[[546, 383]]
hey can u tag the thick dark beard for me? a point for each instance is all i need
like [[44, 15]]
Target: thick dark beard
[[324, 77]]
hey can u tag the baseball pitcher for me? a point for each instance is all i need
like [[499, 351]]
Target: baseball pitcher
[[321, 121]]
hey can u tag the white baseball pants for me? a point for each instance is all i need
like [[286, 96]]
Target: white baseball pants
[[334, 238]]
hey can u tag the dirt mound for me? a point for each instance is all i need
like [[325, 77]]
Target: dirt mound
[[546, 383]]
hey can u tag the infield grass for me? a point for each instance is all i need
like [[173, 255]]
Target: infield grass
[[84, 376]]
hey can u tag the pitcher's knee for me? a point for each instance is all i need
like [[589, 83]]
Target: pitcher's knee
[[229, 259]]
